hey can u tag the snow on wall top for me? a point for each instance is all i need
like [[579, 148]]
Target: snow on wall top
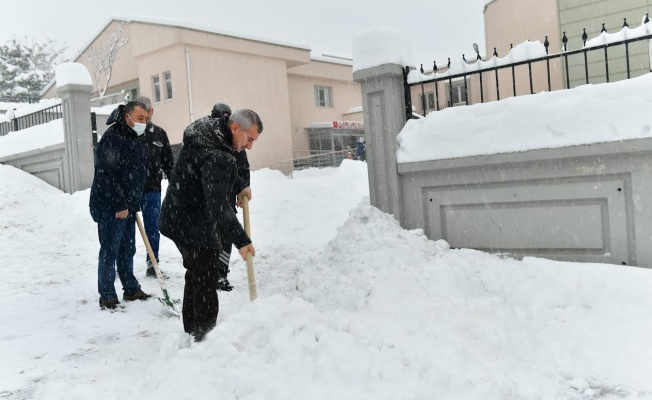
[[587, 114], [72, 73], [378, 46]]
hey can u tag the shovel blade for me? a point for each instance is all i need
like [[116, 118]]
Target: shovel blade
[[169, 304]]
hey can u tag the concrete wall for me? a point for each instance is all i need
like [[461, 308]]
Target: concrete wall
[[585, 203], [46, 164]]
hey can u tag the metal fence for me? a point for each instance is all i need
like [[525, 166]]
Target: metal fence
[[33, 119], [320, 160], [493, 75], [5, 127]]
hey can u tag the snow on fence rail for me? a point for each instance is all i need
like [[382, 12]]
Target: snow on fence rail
[[31, 115], [485, 79]]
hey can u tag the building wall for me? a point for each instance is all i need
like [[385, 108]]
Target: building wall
[[512, 22], [275, 80], [246, 81], [173, 115], [575, 15], [304, 111]]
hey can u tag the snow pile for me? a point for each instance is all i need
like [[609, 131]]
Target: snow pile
[[36, 137], [546, 120], [364, 311]]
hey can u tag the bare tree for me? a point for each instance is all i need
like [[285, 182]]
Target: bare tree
[[102, 58]]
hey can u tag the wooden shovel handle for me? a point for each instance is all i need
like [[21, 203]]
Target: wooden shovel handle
[[148, 246], [250, 262]]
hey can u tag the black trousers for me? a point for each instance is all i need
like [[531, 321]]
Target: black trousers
[[200, 303]]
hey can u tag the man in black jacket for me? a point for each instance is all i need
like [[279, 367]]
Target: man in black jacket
[[197, 211], [223, 113], [115, 198], [159, 160]]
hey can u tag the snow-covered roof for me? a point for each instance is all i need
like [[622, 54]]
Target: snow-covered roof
[[332, 60], [353, 110], [210, 29]]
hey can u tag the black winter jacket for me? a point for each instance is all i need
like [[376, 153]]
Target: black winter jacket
[[242, 163], [159, 157], [197, 210], [119, 176]]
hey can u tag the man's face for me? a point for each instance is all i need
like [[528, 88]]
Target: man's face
[[138, 114], [244, 139]]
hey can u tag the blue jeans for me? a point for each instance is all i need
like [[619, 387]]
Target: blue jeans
[[150, 205], [117, 247]]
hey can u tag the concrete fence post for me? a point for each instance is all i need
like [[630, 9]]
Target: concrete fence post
[[383, 105], [75, 96]]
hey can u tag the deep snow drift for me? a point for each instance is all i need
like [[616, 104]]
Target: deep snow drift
[[351, 306]]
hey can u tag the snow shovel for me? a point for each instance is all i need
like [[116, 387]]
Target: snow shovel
[[168, 303], [250, 262]]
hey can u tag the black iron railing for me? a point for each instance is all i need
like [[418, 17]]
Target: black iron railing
[[32, 119], [493, 70], [5, 127], [38, 117]]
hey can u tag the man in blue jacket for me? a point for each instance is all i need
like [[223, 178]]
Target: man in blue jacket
[[117, 188]]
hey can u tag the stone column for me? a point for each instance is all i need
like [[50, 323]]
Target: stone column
[[383, 105], [78, 163]]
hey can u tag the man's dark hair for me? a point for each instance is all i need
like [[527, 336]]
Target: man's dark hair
[[245, 118], [129, 107]]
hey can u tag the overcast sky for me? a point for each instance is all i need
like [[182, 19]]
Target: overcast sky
[[437, 28]]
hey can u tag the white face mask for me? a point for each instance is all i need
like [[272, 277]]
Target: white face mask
[[138, 127]]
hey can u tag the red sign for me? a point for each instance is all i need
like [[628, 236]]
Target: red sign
[[348, 124]]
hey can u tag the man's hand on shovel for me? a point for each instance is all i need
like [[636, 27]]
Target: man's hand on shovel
[[246, 192], [247, 249]]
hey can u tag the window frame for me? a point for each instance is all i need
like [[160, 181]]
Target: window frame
[[167, 77], [156, 88], [462, 94], [430, 102], [327, 97]]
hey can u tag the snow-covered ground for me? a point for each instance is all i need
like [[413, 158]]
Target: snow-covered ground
[[350, 306]]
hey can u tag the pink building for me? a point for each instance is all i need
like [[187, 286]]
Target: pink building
[[185, 69]]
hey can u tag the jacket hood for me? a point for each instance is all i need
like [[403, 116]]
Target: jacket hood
[[208, 132], [116, 116]]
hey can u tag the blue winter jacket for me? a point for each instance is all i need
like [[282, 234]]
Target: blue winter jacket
[[120, 172]]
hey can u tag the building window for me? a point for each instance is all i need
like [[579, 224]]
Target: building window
[[156, 88], [428, 104], [458, 92], [168, 85], [323, 96]]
